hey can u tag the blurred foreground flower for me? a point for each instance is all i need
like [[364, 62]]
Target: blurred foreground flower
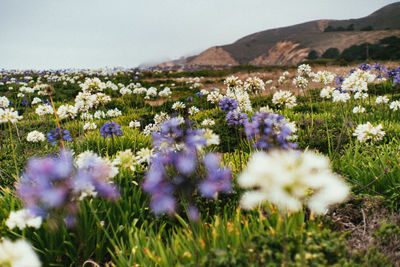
[[289, 179], [18, 253], [52, 185]]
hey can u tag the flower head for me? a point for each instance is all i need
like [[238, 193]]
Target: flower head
[[109, 129]]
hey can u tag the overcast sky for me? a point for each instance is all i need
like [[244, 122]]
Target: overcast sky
[[44, 34]]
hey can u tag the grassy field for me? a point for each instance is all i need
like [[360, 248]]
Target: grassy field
[[240, 167]]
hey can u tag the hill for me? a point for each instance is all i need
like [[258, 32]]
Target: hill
[[291, 45]]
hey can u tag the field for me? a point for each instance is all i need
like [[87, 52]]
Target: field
[[295, 166]]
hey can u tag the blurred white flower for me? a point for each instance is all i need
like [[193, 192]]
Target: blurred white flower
[[18, 253]]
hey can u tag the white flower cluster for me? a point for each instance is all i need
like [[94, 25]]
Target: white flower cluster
[[324, 77], [326, 92], [289, 179], [242, 98], [284, 99], [36, 100], [4, 102], [18, 253], [193, 110], [233, 81], [156, 126], [42, 110], [360, 95], [99, 114], [304, 70], [358, 81], [92, 85], [35, 137], [125, 91], [134, 124], [208, 122], [395, 105], [166, 92], [88, 126], [381, 100], [211, 137], [9, 115], [358, 109], [22, 219], [67, 111], [113, 113], [178, 105], [300, 82], [214, 97], [337, 96], [151, 92], [367, 132], [254, 85]]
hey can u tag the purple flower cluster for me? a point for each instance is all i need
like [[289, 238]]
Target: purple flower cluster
[[269, 130], [394, 74], [364, 66], [199, 94], [339, 80], [228, 104], [54, 135], [109, 129], [176, 172], [379, 67], [52, 185], [234, 118]]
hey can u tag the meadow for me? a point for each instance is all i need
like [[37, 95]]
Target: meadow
[[293, 166]]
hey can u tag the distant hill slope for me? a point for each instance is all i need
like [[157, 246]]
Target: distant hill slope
[[290, 45]]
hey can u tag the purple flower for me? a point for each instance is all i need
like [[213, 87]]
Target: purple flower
[[234, 118], [339, 80], [228, 104], [199, 94], [176, 171], [218, 179], [109, 129], [54, 135], [364, 66], [52, 185], [379, 67], [268, 130]]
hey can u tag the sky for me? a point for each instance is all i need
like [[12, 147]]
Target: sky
[[57, 34]]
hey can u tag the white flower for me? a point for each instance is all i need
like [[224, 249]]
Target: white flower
[[112, 113], [254, 85], [89, 126], [324, 77], [303, 69], [67, 111], [214, 97], [208, 122], [300, 82], [36, 100], [241, 96], [284, 98], [193, 110], [9, 115], [125, 91], [211, 137], [337, 96], [367, 132], [4, 102], [395, 105], [125, 159], [22, 219], [86, 116], [134, 124], [289, 179], [143, 156], [358, 81], [232, 81], [35, 137], [360, 95], [358, 109], [151, 92], [18, 253], [92, 85], [382, 100], [99, 114], [166, 92], [42, 110], [326, 92], [178, 105]]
